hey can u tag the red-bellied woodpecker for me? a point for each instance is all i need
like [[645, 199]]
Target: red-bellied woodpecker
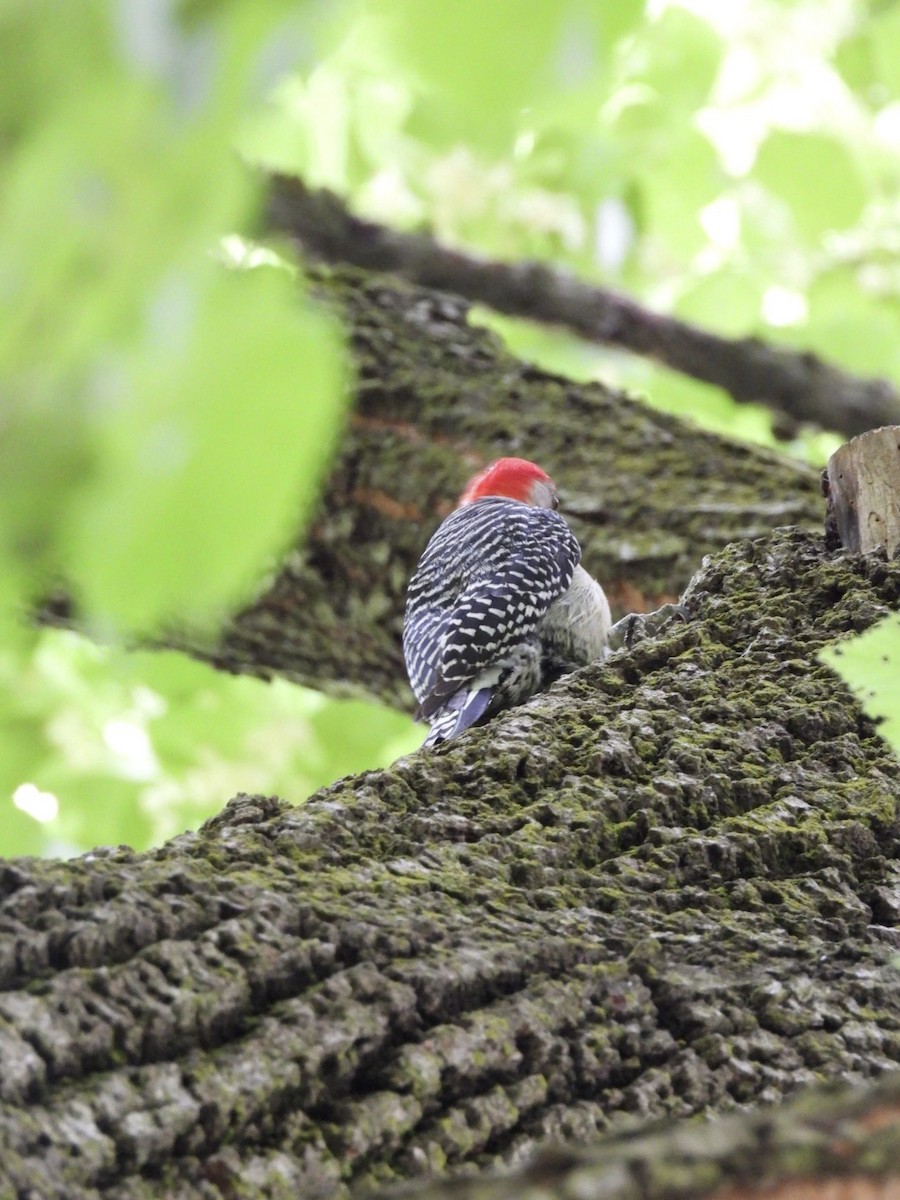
[[498, 607]]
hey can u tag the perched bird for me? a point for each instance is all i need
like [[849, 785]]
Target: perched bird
[[498, 607]]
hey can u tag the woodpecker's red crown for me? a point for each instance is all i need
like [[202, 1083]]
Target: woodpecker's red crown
[[514, 478]]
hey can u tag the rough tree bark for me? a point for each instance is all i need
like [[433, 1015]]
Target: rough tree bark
[[668, 886]]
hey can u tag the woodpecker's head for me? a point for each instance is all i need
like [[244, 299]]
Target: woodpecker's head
[[514, 478]]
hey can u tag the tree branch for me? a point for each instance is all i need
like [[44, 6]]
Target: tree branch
[[798, 384], [670, 885]]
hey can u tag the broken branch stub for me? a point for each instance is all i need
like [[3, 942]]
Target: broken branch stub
[[862, 484]]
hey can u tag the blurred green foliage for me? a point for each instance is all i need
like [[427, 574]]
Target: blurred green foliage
[[870, 665], [135, 747], [170, 400]]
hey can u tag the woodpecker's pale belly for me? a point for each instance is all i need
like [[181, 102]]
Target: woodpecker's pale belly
[[578, 622]]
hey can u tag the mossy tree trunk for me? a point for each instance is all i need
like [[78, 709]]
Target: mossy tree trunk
[[668, 886]]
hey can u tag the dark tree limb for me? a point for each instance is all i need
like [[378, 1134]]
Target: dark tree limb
[[798, 384], [668, 886]]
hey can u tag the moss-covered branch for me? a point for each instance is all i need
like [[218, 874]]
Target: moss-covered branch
[[667, 886]]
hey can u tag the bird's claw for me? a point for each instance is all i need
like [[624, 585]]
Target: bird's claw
[[634, 627]]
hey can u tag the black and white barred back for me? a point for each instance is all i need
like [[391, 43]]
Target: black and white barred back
[[475, 606]]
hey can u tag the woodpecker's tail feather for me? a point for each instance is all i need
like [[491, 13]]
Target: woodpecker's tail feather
[[459, 713]]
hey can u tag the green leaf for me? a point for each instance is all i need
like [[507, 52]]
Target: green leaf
[[40, 71], [852, 328], [870, 666], [461, 52], [136, 747], [869, 58], [87, 233], [726, 301], [211, 444], [677, 178], [482, 68], [676, 60], [816, 176]]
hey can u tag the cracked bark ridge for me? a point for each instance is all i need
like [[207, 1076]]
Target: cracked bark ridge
[[797, 384], [646, 494], [669, 885]]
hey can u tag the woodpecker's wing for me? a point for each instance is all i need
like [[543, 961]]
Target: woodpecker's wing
[[484, 584]]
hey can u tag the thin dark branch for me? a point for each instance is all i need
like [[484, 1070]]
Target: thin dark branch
[[797, 384]]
